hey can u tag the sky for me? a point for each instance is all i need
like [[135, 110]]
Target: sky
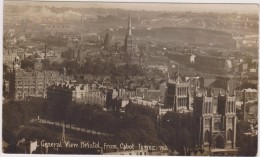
[[223, 8]]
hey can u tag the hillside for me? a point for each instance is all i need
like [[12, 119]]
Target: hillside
[[196, 36]]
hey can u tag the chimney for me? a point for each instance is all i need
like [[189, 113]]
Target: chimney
[[78, 54], [244, 104], [73, 53], [45, 52]]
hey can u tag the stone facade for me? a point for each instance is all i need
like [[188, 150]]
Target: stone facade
[[177, 94], [80, 93], [216, 127], [33, 83]]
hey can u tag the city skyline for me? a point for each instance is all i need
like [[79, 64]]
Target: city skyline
[[151, 6]]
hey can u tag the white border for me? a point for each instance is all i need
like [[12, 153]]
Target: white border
[[155, 1]]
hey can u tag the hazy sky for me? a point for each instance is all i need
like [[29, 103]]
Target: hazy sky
[[240, 8]]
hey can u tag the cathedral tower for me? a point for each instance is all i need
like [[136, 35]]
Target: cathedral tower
[[203, 117], [177, 94], [214, 129]]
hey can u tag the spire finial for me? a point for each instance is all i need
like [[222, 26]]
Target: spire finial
[[178, 69], [129, 25]]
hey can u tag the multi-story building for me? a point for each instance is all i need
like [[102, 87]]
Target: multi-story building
[[68, 93], [146, 102], [57, 27], [249, 106], [33, 83], [150, 94], [250, 111], [9, 57], [247, 94]]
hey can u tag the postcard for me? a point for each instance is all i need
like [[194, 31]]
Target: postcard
[[116, 78]]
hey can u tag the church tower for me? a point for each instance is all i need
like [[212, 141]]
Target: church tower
[[129, 47], [203, 117], [227, 108], [177, 94], [214, 129]]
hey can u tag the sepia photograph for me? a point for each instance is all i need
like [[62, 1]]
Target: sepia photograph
[[130, 78]]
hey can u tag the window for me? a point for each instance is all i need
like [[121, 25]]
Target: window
[[229, 135], [206, 107], [141, 153], [217, 126], [229, 121], [209, 107], [207, 122], [206, 136]]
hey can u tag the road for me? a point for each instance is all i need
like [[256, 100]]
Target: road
[[70, 126]]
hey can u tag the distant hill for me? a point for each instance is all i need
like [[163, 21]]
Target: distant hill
[[186, 35]]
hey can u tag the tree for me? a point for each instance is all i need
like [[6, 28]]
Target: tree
[[72, 66], [46, 64], [184, 141], [168, 135], [27, 64], [67, 54], [242, 127], [107, 42], [56, 66]]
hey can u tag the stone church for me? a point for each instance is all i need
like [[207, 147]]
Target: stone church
[[210, 118], [215, 119]]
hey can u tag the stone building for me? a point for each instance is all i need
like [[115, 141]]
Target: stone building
[[130, 46], [210, 118], [67, 93], [215, 128], [129, 43], [24, 83], [177, 94], [249, 106], [248, 94]]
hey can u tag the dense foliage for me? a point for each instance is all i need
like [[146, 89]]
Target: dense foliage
[[129, 127], [94, 67]]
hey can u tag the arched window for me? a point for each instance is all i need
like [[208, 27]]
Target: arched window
[[206, 105], [234, 107], [210, 106], [206, 136], [230, 104], [229, 135], [217, 126]]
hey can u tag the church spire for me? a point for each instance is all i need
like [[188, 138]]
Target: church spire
[[129, 28]]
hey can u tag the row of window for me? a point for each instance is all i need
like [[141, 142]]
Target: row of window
[[208, 107], [182, 90], [182, 102], [207, 136], [231, 107]]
